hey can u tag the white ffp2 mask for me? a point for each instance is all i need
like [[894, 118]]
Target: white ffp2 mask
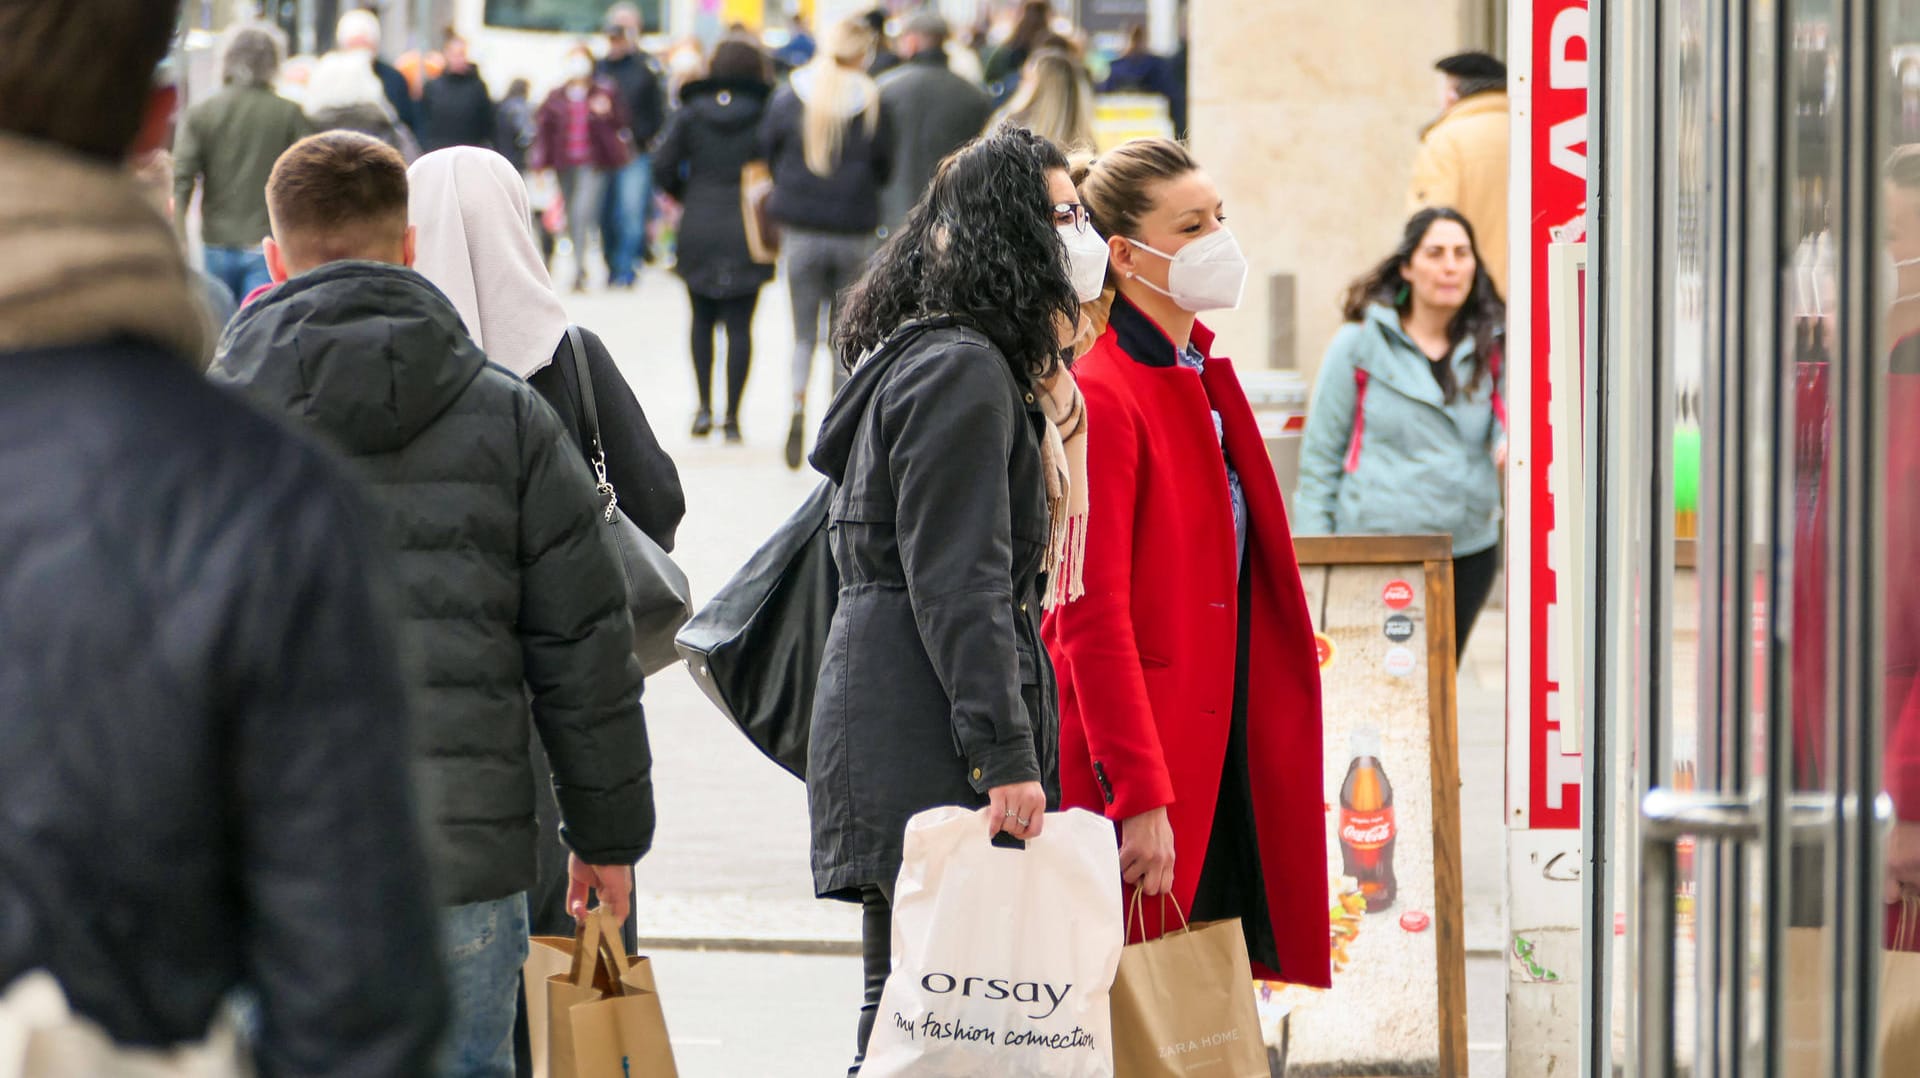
[[1086, 260], [1208, 274]]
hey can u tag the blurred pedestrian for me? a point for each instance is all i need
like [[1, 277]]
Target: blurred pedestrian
[[514, 614], [1462, 162], [582, 135], [1055, 101], [884, 58], [1407, 430], [707, 145], [799, 47], [825, 137], [1139, 71], [1190, 687], [358, 31], [934, 689], [513, 124], [457, 109], [205, 784], [154, 172], [947, 112], [629, 201], [344, 95], [226, 147], [1005, 63]]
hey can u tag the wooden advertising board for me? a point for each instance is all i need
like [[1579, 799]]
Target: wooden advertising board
[[1382, 608]]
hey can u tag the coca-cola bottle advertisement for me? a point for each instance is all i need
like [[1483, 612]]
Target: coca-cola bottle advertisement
[[1366, 822]]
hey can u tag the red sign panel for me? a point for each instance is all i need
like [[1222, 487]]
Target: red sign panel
[[1558, 176]]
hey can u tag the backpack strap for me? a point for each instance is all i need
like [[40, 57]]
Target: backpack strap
[[1494, 363], [1360, 379]]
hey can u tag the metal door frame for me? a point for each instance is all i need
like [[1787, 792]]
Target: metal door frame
[[1630, 577]]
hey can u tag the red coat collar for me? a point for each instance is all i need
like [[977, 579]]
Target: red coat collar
[[1145, 342]]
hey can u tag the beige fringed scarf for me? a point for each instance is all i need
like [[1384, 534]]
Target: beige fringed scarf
[[88, 257], [1064, 459]]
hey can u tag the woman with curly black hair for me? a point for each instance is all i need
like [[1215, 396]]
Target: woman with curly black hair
[[953, 468]]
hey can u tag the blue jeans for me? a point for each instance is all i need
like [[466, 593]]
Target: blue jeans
[[485, 946], [241, 269], [623, 218]]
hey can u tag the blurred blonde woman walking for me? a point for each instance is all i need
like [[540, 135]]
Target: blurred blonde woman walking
[[1055, 101], [825, 138]]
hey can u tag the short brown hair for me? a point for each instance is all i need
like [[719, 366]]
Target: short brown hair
[[336, 196], [1118, 187], [79, 73]]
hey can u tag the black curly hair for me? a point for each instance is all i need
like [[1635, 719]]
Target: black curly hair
[[980, 246]]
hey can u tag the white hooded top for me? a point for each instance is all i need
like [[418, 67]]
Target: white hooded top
[[475, 243]]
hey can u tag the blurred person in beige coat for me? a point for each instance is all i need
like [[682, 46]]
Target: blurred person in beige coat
[[1463, 155]]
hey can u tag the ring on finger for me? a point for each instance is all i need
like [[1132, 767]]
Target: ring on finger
[[1024, 821]]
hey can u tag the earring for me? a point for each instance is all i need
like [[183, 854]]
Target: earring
[[1400, 297]]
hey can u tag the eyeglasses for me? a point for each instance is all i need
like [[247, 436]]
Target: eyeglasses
[[1070, 213]]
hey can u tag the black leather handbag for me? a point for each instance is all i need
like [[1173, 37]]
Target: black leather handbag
[[657, 591], [755, 648]]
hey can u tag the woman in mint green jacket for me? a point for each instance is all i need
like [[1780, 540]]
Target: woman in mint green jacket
[[1407, 431]]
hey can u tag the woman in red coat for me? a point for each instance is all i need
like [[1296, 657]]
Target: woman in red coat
[[1190, 691]]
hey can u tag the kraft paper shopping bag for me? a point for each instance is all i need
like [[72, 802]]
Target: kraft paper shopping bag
[[1001, 957], [1900, 996], [1183, 1005], [603, 1016]]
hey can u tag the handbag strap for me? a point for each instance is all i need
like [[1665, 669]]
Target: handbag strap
[[590, 424]]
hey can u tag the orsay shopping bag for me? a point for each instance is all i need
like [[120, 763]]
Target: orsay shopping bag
[[603, 1016], [1183, 1005], [755, 648], [41, 1038], [1002, 957]]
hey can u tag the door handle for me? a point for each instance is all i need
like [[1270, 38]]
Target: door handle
[[1666, 816]]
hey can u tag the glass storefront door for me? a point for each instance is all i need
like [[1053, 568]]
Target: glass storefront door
[[1755, 582]]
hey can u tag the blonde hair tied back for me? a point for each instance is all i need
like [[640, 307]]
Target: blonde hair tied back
[[837, 72]]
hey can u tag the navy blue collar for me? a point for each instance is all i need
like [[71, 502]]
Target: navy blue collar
[[1140, 337]]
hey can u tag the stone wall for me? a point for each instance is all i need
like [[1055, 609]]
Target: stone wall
[[1308, 114]]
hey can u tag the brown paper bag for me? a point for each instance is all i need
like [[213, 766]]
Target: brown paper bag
[[1900, 997], [1183, 1005], [547, 957], [603, 1016]]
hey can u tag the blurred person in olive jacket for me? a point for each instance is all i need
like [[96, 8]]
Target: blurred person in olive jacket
[[204, 734], [226, 148]]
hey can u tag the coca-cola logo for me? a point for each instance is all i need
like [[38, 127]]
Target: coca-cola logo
[[1398, 594], [1366, 831]]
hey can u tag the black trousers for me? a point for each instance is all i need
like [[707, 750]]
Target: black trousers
[[876, 951], [736, 316], [1473, 578]]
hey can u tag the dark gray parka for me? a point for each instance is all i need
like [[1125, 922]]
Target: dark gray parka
[[934, 687], [509, 595]]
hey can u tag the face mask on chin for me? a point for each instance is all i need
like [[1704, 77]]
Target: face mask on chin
[[1209, 274]]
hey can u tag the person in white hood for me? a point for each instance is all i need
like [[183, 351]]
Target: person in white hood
[[826, 139]]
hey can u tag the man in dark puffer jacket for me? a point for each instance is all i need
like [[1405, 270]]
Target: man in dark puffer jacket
[[202, 726], [508, 583]]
